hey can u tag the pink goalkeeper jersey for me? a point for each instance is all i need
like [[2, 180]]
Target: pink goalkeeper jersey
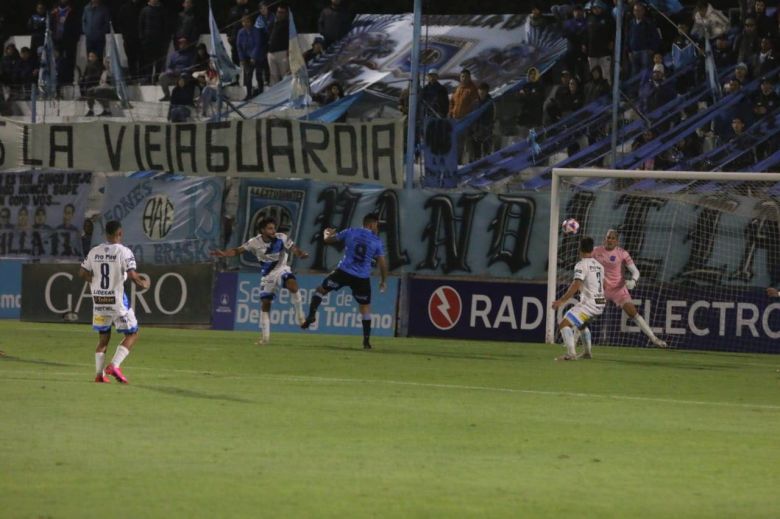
[[613, 261]]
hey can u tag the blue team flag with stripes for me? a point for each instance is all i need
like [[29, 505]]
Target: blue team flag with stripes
[[711, 70], [300, 90], [228, 71], [47, 75], [116, 71]]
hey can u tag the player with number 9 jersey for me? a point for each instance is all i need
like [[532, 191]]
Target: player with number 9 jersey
[[361, 246]]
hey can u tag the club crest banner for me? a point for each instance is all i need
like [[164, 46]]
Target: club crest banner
[[42, 213], [370, 152], [166, 222]]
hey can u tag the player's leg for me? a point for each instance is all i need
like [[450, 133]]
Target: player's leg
[[126, 324], [100, 356], [631, 311], [361, 291], [587, 342], [576, 317], [267, 291], [291, 284], [333, 282]]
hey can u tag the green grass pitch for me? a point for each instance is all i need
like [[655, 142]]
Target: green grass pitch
[[311, 425]]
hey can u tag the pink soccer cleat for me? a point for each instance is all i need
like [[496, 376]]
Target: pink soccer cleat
[[102, 379], [116, 373]]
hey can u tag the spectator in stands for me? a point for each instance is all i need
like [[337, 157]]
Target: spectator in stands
[[278, 45], [742, 73], [182, 99], [104, 92], [708, 22], [746, 43], [647, 136], [249, 51], [463, 101], [65, 28], [263, 24], [86, 236], [741, 141], [235, 14], [723, 52], [36, 25], [481, 132], [765, 61], [24, 73], [208, 81], [181, 62], [596, 87], [531, 100], [599, 39], [434, 100], [642, 39], [766, 27], [8, 65], [332, 93], [90, 78], [655, 92], [202, 58], [153, 34], [127, 26], [536, 18], [565, 101], [317, 49], [576, 29], [766, 101], [551, 110], [335, 22], [95, 21], [187, 23]]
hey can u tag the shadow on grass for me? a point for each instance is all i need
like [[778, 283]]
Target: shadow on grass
[[187, 393], [11, 358], [394, 351], [671, 364]]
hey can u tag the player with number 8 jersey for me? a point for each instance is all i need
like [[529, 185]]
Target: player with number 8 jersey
[[105, 268]]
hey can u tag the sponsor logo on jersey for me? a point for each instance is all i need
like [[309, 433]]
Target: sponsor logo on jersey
[[445, 307]]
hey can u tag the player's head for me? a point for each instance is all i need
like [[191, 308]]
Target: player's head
[[67, 213], [586, 245], [611, 239], [267, 227], [114, 231], [371, 221]]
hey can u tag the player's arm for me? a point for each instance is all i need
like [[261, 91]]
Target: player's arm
[[85, 274], [573, 289], [382, 264], [227, 253], [298, 252], [772, 292], [631, 282], [139, 279], [330, 235]]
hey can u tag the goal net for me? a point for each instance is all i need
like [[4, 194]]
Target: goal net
[[707, 247]]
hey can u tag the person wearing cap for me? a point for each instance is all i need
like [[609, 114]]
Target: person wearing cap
[[181, 62], [434, 100], [599, 38], [95, 25]]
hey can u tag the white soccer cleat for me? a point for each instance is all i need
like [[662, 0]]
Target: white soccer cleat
[[262, 341], [659, 343], [301, 319]]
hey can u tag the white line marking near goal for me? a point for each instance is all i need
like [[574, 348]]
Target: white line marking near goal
[[460, 387]]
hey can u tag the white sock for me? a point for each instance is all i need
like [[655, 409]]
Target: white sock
[[568, 339], [586, 339], [265, 321], [100, 361], [119, 356], [640, 321], [298, 303]]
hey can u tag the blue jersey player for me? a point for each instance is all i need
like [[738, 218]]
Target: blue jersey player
[[361, 247], [270, 248]]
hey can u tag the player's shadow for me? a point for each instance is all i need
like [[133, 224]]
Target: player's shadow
[[443, 355], [671, 364], [11, 358], [188, 393]]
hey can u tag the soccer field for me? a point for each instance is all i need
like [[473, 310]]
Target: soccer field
[[313, 426]]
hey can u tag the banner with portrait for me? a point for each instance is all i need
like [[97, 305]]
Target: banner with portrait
[[166, 222], [42, 213]]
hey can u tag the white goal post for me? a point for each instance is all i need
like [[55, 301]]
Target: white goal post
[[745, 213]]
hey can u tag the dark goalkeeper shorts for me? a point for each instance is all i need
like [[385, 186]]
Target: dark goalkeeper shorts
[[361, 287]]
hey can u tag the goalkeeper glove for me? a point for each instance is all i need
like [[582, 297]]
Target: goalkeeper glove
[[630, 284]]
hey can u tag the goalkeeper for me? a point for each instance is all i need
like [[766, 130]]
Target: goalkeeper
[[612, 258]]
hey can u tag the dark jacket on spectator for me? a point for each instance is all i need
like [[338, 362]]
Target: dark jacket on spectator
[[152, 27], [37, 27], [279, 38], [435, 101], [181, 60], [91, 76], [127, 22], [95, 20], [334, 23], [599, 33], [187, 26], [643, 35]]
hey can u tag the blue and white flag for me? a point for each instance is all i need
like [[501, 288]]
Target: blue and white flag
[[116, 71], [712, 70], [228, 71], [300, 91], [47, 76]]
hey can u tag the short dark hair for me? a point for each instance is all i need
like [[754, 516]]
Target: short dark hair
[[265, 222], [112, 227], [586, 244], [484, 86], [370, 218]]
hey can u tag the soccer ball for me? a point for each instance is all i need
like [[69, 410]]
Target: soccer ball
[[570, 226]]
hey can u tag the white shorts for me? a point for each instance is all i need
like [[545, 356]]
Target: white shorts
[[124, 321], [270, 281], [580, 314]]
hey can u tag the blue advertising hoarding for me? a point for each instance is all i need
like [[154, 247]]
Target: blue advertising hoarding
[[10, 289]]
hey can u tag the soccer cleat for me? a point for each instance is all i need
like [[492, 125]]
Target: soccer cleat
[[310, 319], [301, 319], [585, 355], [262, 342], [115, 372], [566, 357], [366, 344], [102, 379], [659, 343]]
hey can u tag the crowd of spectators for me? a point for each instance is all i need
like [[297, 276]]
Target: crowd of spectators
[[257, 33]]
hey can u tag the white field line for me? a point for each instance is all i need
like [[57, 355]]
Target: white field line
[[459, 387]]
